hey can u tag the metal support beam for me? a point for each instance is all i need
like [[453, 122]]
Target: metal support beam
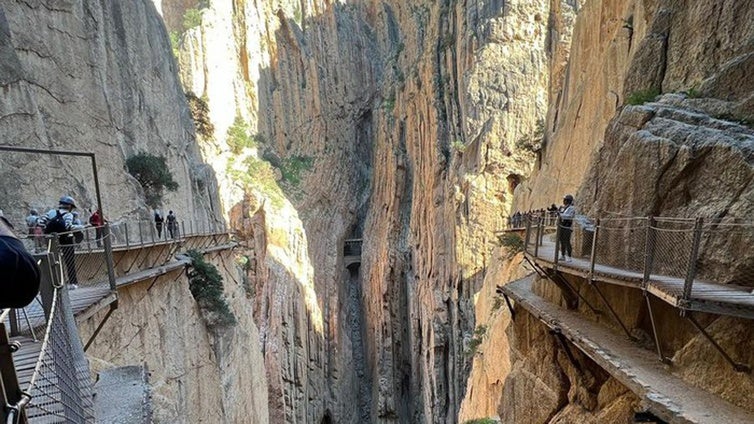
[[661, 355], [613, 313], [510, 307], [99, 327], [562, 281], [563, 342], [739, 367]]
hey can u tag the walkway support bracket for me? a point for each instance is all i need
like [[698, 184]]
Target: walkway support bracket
[[739, 367]]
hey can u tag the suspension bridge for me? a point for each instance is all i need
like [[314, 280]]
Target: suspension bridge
[[45, 374]]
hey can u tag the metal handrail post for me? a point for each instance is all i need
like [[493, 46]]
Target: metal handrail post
[[108, 246], [557, 239], [692, 261], [141, 234], [593, 256], [649, 252], [527, 236], [125, 229], [537, 240]]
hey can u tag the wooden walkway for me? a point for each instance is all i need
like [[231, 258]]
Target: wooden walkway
[[85, 302], [664, 394], [707, 297]]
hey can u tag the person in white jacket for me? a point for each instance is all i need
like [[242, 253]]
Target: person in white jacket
[[567, 213]]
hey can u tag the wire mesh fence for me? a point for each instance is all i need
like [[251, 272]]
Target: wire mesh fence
[[675, 253], [75, 273]]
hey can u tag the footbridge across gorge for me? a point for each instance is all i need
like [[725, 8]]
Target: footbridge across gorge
[[694, 265], [44, 372]]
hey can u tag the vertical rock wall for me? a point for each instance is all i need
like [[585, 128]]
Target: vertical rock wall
[[419, 119], [94, 77]]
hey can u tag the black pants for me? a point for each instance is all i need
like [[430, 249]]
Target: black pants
[[158, 226], [565, 241], [98, 235], [70, 262]]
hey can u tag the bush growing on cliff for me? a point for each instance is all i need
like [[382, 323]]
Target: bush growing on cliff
[[153, 175], [481, 421], [200, 114], [192, 18], [292, 167], [642, 96], [513, 243], [475, 341], [240, 137], [206, 286]]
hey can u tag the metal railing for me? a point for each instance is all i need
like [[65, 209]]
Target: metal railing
[[54, 372], [59, 385], [680, 252]]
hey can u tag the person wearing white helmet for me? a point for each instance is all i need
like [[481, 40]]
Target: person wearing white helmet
[[61, 221], [567, 213]]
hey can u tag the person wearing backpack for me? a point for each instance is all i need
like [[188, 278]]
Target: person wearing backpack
[[60, 221]]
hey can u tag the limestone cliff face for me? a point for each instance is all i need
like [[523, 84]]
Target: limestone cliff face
[[94, 77], [197, 374], [417, 120], [685, 153], [99, 77]]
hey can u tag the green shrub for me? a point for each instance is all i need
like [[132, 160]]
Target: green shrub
[[200, 114], [192, 18], [693, 93], [292, 167], [175, 42], [239, 136], [206, 286], [532, 142], [153, 174], [513, 243], [642, 96], [458, 146], [475, 341], [481, 421]]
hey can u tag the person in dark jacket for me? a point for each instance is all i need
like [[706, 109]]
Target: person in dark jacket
[[19, 273], [158, 222], [567, 214]]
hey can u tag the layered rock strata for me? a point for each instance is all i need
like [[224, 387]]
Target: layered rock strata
[[419, 120]]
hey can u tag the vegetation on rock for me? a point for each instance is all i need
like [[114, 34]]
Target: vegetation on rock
[[206, 286], [200, 114], [513, 243], [642, 96], [153, 175], [240, 137]]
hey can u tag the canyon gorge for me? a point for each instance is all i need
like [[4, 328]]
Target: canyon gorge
[[415, 128]]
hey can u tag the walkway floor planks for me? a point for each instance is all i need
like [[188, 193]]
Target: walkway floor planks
[[721, 299], [664, 394]]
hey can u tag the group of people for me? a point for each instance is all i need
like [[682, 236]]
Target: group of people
[[566, 212], [172, 224], [63, 220]]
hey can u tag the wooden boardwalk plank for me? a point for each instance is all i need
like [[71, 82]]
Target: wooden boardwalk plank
[[666, 395]]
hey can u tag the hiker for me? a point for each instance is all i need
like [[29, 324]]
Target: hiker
[[20, 274], [97, 221], [60, 221], [172, 225], [78, 236], [158, 220], [567, 213], [35, 231]]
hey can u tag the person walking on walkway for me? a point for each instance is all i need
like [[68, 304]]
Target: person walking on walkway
[[97, 221], [172, 224], [60, 221], [35, 231], [158, 222], [567, 213]]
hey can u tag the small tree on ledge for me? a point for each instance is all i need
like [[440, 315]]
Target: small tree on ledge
[[153, 174]]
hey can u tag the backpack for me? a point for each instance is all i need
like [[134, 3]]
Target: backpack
[[56, 224]]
